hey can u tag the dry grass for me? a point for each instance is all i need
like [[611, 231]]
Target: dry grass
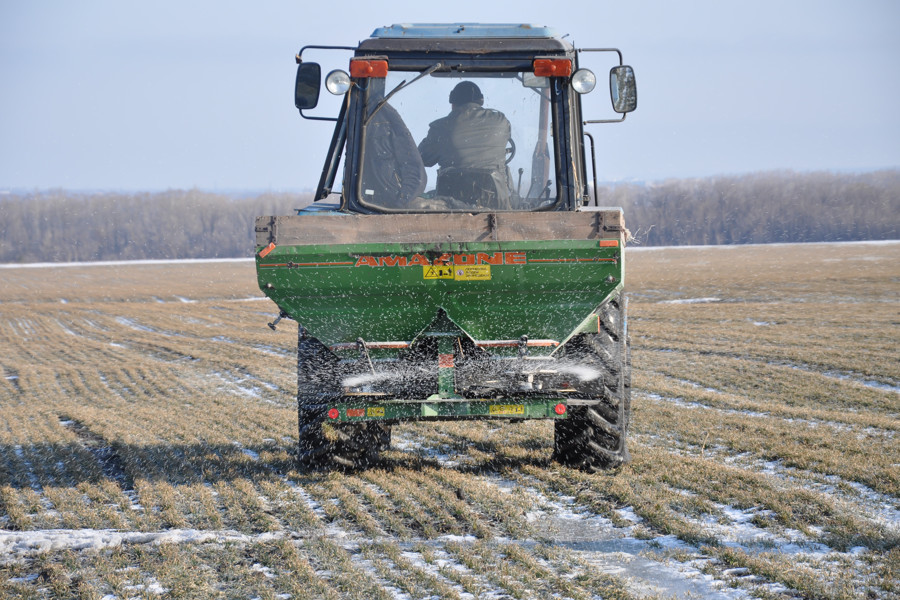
[[153, 399]]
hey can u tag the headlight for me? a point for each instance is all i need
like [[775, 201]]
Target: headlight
[[337, 82], [583, 81]]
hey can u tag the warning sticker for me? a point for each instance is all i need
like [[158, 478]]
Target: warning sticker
[[375, 411], [437, 272], [457, 272], [472, 272]]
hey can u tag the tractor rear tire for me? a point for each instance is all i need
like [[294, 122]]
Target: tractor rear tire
[[593, 436], [322, 445]]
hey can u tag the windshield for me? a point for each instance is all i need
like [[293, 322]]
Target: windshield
[[447, 143]]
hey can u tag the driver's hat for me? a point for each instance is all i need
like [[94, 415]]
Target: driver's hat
[[466, 91]]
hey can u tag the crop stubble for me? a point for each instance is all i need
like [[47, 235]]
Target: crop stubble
[[152, 399]]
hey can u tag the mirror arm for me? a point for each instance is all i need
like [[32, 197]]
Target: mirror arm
[[605, 120], [317, 118], [616, 50], [299, 55]]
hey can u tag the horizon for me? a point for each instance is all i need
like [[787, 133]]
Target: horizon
[[247, 192]]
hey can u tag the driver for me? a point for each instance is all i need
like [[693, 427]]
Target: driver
[[471, 136]]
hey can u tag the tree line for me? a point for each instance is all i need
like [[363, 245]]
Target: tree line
[[760, 208], [62, 226]]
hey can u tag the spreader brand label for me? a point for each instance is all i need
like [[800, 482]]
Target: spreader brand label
[[446, 260]]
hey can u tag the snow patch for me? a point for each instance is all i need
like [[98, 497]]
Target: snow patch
[[266, 571], [16, 545], [690, 301], [126, 263], [134, 325], [633, 248], [842, 376], [246, 451]]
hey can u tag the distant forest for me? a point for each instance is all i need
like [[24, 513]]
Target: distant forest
[[761, 208], [61, 226]]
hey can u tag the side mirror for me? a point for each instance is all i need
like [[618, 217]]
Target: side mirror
[[622, 89], [306, 88]]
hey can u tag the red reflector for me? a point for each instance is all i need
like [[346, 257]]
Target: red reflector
[[355, 412], [368, 68], [560, 409], [265, 251], [333, 413], [555, 67]]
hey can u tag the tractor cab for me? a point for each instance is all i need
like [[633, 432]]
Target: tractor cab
[[459, 118]]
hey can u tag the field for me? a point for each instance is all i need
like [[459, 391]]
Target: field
[[147, 424]]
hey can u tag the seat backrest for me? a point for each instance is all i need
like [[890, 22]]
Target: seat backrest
[[476, 187]]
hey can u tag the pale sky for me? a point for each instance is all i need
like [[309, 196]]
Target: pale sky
[[117, 95]]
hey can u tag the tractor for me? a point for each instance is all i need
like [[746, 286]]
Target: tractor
[[464, 268]]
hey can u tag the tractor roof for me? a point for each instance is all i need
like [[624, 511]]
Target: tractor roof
[[463, 30], [467, 38]]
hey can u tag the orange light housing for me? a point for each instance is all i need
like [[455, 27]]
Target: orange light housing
[[368, 68], [560, 409], [552, 67], [333, 413], [265, 251]]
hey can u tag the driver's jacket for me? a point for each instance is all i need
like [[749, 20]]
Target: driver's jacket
[[469, 137]]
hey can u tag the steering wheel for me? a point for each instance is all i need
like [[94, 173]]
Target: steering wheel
[[510, 150]]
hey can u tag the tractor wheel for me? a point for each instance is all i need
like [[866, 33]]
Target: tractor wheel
[[593, 436], [323, 445]]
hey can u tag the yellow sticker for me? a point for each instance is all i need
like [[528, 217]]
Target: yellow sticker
[[437, 272], [375, 411], [506, 409], [472, 272]]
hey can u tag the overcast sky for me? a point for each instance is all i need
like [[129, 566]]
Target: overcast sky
[[181, 94]]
